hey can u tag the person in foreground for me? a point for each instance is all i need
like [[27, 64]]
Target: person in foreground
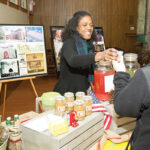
[[77, 54], [132, 99]]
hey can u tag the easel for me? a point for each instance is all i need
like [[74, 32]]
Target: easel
[[5, 91]]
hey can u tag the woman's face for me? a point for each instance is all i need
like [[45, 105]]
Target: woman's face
[[85, 27], [57, 35]]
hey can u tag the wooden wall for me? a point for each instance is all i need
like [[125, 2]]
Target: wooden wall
[[115, 16]]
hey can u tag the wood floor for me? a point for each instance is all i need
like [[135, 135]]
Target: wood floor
[[21, 97]]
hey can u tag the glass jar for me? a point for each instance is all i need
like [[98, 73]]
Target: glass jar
[[103, 80], [79, 95], [88, 104], [79, 108], [60, 105], [131, 63], [69, 97]]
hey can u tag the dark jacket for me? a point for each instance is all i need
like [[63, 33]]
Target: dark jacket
[[74, 69], [132, 99]]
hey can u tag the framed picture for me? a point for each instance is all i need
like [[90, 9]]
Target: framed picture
[[14, 3], [56, 36], [99, 43], [23, 4]]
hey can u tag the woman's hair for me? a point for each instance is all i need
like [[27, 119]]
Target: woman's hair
[[72, 24], [145, 58]]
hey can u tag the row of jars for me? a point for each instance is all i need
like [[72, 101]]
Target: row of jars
[[130, 60], [104, 73], [82, 105]]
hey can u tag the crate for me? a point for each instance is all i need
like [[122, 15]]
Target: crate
[[80, 137], [120, 125]]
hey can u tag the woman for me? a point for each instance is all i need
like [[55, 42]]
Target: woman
[[132, 99], [77, 54]]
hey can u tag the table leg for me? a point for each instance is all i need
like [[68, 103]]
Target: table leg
[[4, 101]]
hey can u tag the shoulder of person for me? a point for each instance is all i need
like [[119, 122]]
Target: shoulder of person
[[146, 69], [142, 71], [69, 42]]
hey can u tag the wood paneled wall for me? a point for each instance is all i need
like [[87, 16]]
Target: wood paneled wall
[[115, 16]]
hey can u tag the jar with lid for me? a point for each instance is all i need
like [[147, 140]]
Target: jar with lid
[[79, 95], [103, 79], [79, 108], [69, 97], [60, 105], [131, 63], [88, 104]]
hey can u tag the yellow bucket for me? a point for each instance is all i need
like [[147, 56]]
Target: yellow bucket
[[112, 146]]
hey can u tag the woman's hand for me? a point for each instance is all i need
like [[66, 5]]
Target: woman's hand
[[109, 54]]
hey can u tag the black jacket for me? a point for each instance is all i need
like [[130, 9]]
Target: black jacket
[[74, 69], [132, 99]]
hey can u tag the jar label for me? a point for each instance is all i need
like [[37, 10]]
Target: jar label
[[109, 83], [70, 104], [61, 108], [88, 108], [81, 113]]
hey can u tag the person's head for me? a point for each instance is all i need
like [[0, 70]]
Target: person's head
[[145, 58], [58, 35], [80, 23]]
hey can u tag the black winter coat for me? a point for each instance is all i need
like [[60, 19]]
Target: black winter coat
[[74, 69], [132, 99]]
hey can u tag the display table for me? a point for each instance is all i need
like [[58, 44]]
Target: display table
[[81, 137], [120, 125]]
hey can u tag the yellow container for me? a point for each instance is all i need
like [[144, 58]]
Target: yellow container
[[112, 146], [88, 104], [58, 127], [69, 97], [79, 107], [79, 95], [60, 105]]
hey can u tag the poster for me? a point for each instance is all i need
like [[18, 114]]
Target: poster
[[22, 51], [99, 43], [56, 35]]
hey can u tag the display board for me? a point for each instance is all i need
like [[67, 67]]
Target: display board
[[22, 51]]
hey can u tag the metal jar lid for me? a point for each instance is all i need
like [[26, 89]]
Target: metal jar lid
[[87, 98], [69, 94], [79, 102], [130, 57], [104, 63], [80, 93]]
